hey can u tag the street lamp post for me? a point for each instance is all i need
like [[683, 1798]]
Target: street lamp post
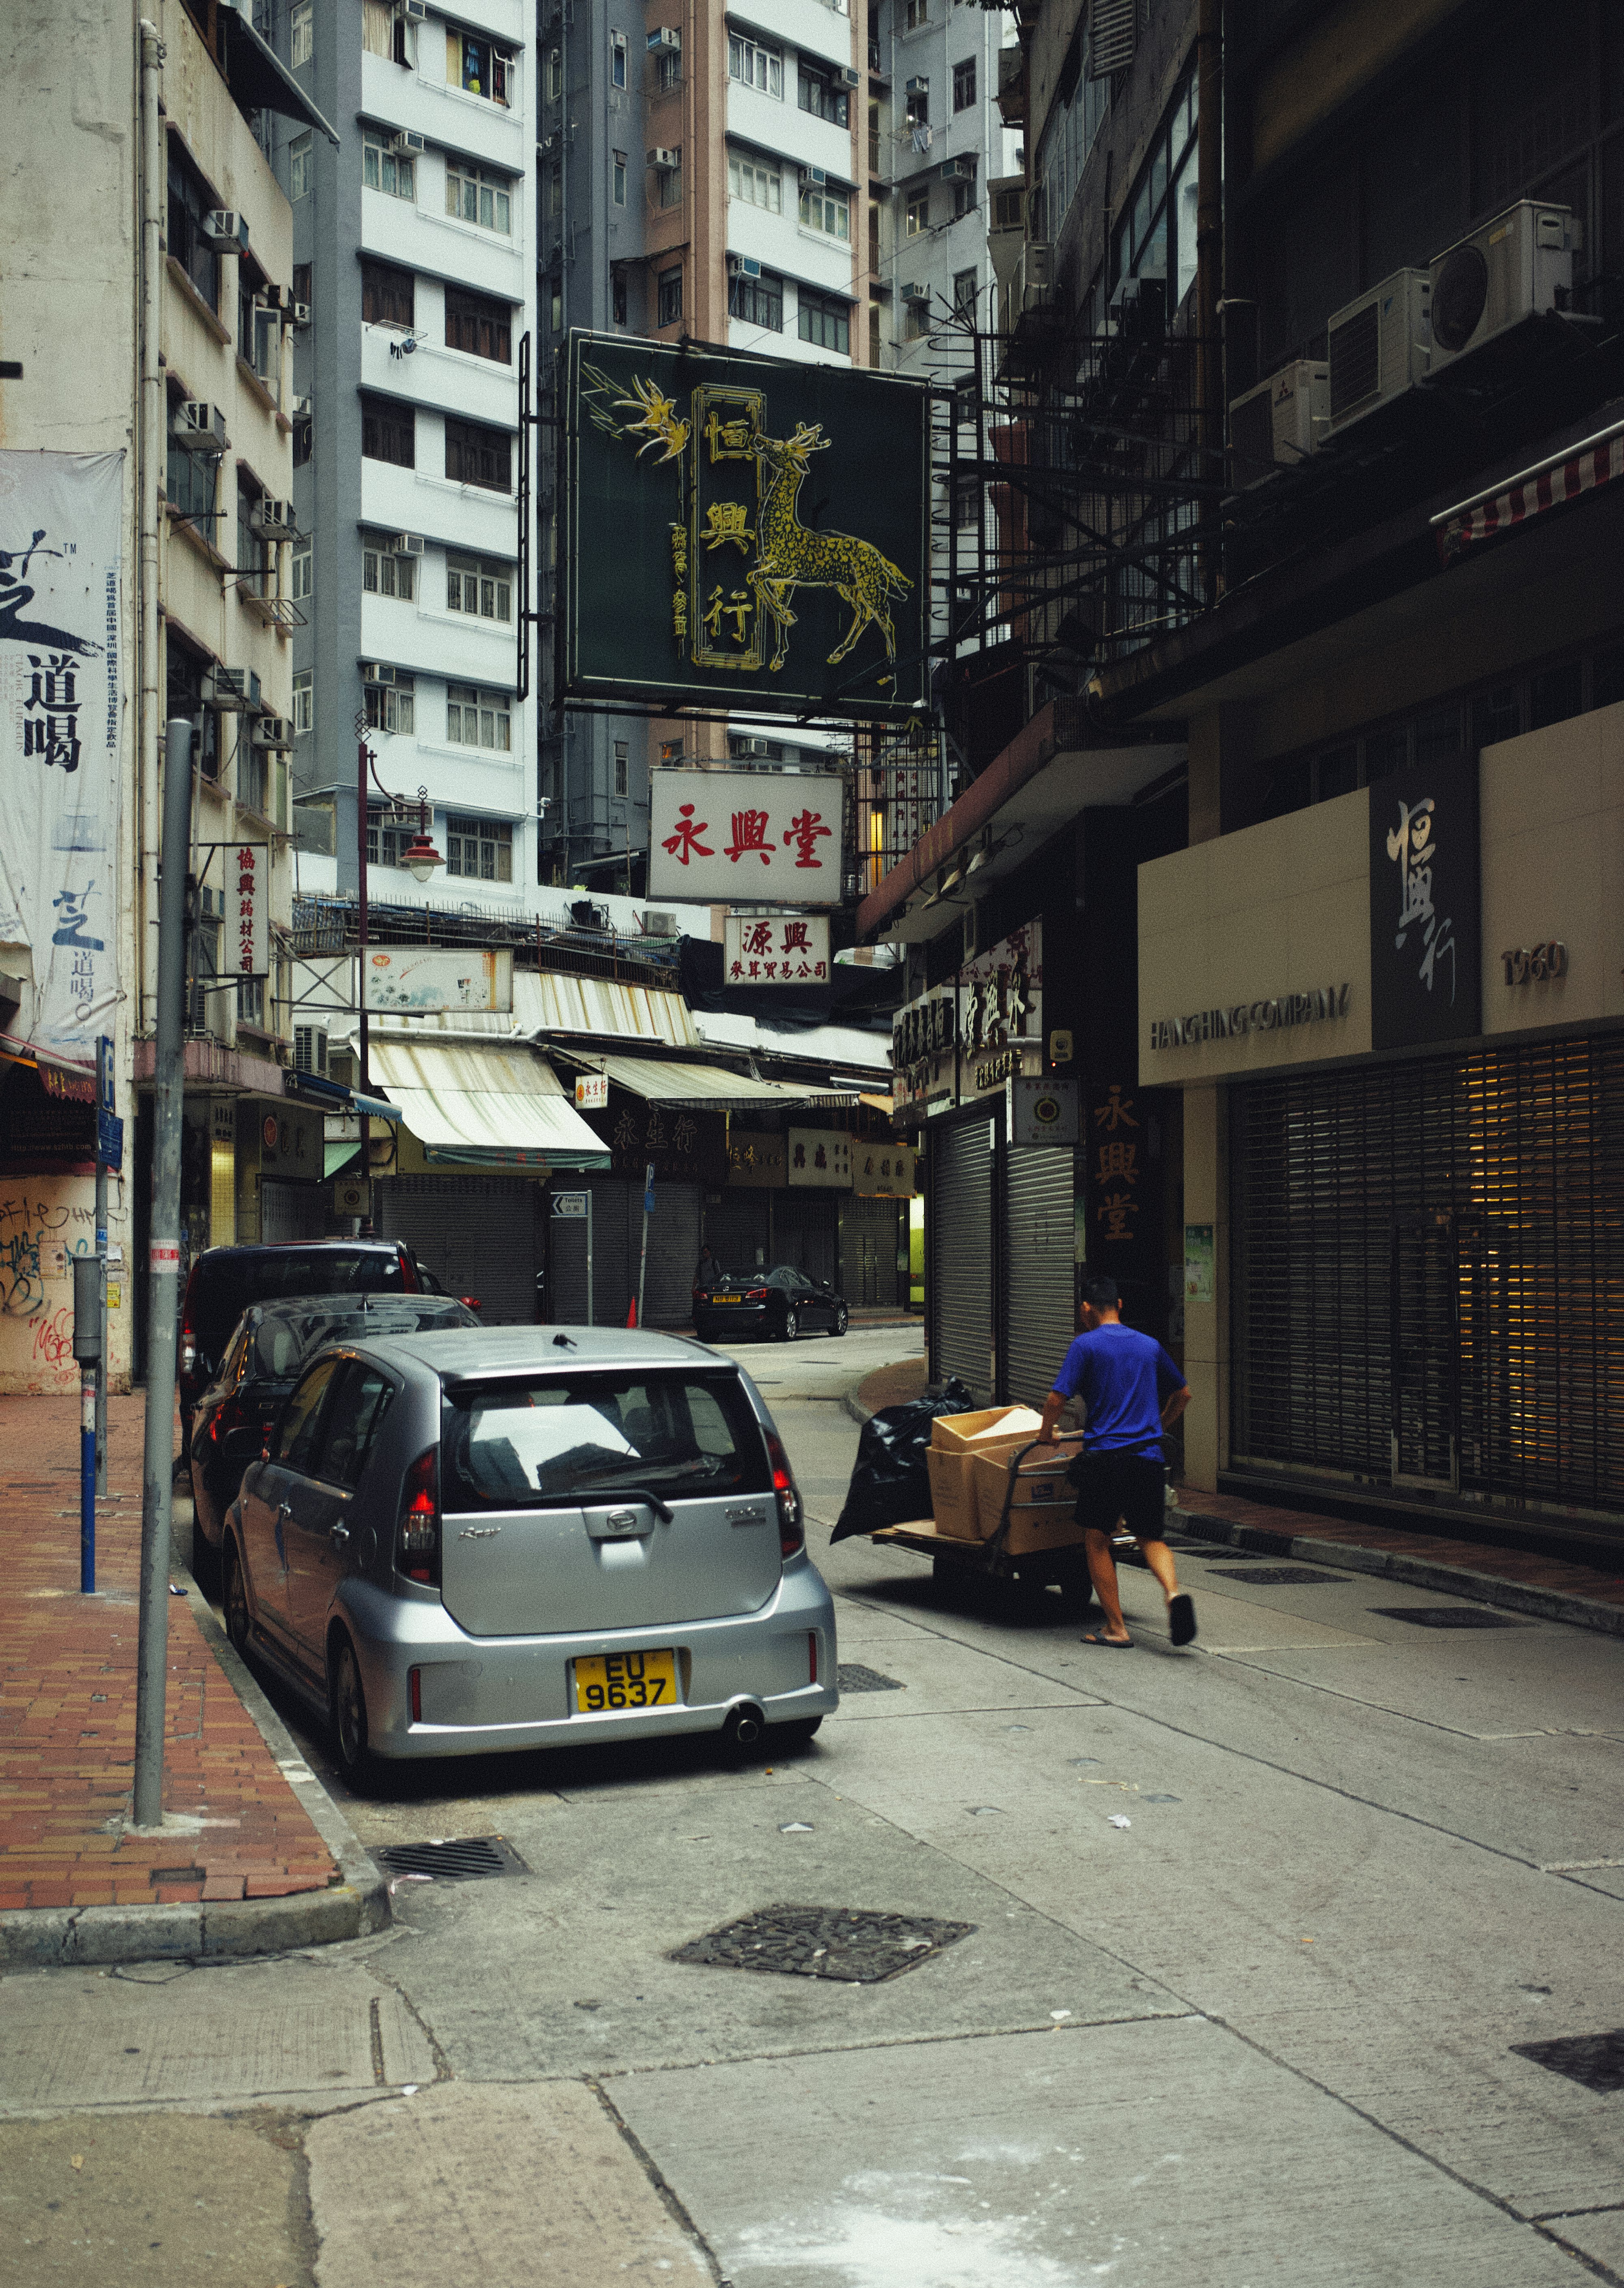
[[420, 859]]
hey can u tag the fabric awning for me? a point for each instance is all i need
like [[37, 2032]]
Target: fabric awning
[[1564, 477], [484, 1107], [338, 1155], [259, 80], [695, 1088]]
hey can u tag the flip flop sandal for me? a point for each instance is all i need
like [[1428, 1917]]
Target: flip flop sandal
[[1110, 1644], [1181, 1618]]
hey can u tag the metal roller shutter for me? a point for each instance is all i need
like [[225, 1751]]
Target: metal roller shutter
[[1428, 1273], [612, 1207], [673, 1249], [1039, 1284], [959, 1234], [292, 1211], [805, 1232], [477, 1234], [735, 1230], [868, 1253]]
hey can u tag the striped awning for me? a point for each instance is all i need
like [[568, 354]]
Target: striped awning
[[1564, 477]]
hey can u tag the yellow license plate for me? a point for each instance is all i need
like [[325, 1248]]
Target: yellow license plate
[[727, 1298], [625, 1680]]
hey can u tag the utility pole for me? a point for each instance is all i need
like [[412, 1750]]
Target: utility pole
[[158, 1464], [363, 765]]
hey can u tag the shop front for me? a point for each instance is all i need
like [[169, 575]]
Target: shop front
[[1398, 1021]]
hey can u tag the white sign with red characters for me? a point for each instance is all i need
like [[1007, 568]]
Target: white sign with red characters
[[776, 950], [772, 837], [245, 947]]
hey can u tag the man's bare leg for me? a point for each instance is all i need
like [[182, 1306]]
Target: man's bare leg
[[1159, 1557], [1102, 1572]]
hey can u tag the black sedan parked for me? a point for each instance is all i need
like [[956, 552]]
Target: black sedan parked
[[269, 1345], [781, 1303]]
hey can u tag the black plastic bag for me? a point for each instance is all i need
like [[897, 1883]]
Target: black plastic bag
[[890, 1484]]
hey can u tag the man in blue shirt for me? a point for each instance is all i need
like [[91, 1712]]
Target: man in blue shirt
[[1132, 1392]]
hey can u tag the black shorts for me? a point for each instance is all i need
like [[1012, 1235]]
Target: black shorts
[[1114, 1484]]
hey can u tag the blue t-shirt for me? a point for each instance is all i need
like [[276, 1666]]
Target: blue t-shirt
[[1124, 1378]]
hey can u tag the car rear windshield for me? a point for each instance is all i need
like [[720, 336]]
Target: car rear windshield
[[225, 1289], [564, 1439], [286, 1339], [730, 1282]]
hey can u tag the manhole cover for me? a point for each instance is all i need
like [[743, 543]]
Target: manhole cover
[[1447, 1616], [852, 1677], [1595, 2061], [460, 1860], [845, 1942], [1280, 1577]]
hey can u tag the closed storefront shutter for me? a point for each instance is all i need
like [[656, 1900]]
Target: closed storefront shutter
[[1427, 1271], [612, 1209], [292, 1211], [959, 1234], [868, 1253], [478, 1234], [805, 1232], [735, 1230], [1039, 1284], [673, 1249]]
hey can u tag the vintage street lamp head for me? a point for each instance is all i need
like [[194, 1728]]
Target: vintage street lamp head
[[420, 858]]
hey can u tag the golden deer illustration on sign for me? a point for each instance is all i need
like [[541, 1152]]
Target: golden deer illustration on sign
[[791, 555]]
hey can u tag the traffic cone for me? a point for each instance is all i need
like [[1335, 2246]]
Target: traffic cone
[[632, 1312]]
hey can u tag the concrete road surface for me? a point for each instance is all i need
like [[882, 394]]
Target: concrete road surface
[[1267, 1945]]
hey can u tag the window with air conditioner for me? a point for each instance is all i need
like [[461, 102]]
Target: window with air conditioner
[[191, 201], [478, 719], [384, 573], [392, 706], [816, 92], [479, 849], [394, 172], [669, 180], [758, 301], [191, 482], [480, 195], [479, 587]]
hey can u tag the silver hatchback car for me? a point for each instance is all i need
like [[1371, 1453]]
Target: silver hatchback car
[[516, 1537]]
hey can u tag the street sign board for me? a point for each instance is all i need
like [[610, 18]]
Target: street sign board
[[416, 979], [776, 950], [592, 1091], [749, 531], [776, 836], [1044, 1110], [246, 943], [109, 1139], [570, 1207]]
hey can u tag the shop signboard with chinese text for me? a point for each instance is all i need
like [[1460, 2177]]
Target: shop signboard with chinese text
[[1114, 1156], [819, 1158], [681, 1146], [883, 1171], [743, 531], [1042, 1111], [246, 939], [417, 981], [1000, 1012], [772, 837], [62, 721], [925, 1037], [776, 950], [592, 1092], [754, 1159], [1425, 963]]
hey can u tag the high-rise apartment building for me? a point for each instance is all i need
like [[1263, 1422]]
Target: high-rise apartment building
[[415, 251]]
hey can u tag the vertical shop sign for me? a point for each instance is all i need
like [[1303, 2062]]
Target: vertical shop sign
[[247, 908], [1114, 1166], [1425, 976]]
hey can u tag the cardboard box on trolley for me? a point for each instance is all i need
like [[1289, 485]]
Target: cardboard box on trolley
[[957, 1442], [1042, 1500]]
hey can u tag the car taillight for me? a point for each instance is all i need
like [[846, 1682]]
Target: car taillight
[[408, 1272], [755, 1295], [188, 1346], [791, 1525], [417, 1535]]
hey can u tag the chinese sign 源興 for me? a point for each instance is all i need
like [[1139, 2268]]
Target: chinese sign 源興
[[774, 837], [1425, 981], [776, 950]]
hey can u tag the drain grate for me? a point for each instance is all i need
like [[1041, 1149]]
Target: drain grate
[[1595, 2061], [1448, 1616], [459, 1860], [845, 1943], [852, 1676], [1280, 1577]]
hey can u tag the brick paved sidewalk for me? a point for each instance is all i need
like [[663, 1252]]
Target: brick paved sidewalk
[[1600, 1584], [67, 1682]]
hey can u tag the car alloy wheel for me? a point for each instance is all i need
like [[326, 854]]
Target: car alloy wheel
[[842, 1320], [348, 1703], [239, 1621], [792, 1326]]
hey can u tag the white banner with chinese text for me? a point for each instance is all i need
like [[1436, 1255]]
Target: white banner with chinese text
[[61, 704]]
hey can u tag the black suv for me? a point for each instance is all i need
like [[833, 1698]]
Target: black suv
[[225, 1280]]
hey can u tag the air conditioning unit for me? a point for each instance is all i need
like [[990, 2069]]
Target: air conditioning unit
[[407, 141], [667, 36], [310, 1049], [657, 922], [274, 520], [234, 689], [303, 409], [301, 314], [664, 158], [958, 170], [225, 230], [1515, 267], [814, 174], [200, 428], [418, 10], [916, 291], [407, 543], [274, 732], [918, 87], [853, 77], [373, 670], [1280, 422], [1379, 346]]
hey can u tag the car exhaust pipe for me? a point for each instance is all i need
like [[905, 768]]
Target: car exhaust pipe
[[745, 1727]]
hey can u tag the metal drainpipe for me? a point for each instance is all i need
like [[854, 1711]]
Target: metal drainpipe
[[150, 462]]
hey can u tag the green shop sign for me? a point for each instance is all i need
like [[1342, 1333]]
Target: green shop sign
[[742, 531]]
